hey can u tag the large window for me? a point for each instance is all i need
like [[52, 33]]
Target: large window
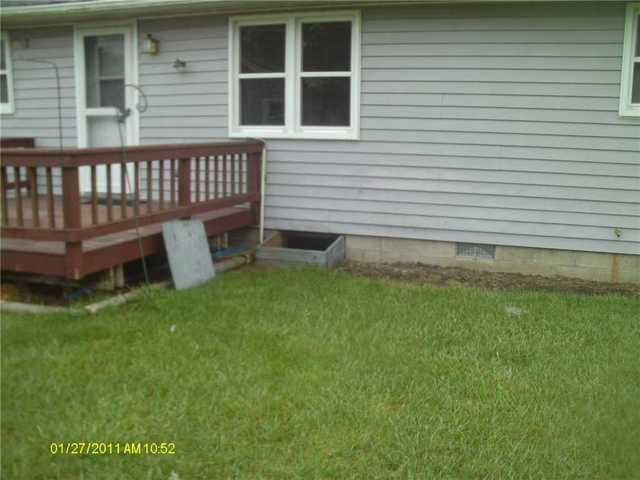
[[6, 76], [295, 76], [630, 84]]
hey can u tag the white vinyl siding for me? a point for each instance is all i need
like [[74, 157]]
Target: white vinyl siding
[[487, 124], [492, 124], [35, 90]]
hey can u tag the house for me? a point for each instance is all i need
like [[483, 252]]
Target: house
[[498, 135]]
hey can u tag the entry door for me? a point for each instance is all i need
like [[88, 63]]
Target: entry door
[[105, 63]]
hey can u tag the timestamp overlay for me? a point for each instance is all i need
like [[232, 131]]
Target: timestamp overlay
[[112, 448]]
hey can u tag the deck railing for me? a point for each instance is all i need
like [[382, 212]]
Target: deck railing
[[146, 185]]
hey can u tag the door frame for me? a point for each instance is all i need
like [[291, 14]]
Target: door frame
[[130, 30]]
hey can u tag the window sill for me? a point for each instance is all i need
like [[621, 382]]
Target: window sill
[[7, 109], [629, 112], [316, 134]]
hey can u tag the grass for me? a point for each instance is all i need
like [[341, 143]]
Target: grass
[[309, 374]]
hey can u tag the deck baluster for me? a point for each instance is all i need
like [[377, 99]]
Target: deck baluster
[[197, 167], [184, 182], [51, 209], [94, 195], [225, 160], [32, 176], [149, 186], [3, 188], [173, 182], [123, 190], [161, 183], [136, 189], [207, 178], [18, 190], [109, 194], [216, 176]]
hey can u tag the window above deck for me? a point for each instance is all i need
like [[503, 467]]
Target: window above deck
[[295, 76], [630, 82], [6, 76]]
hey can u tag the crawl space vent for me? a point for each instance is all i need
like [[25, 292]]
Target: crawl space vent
[[476, 250]]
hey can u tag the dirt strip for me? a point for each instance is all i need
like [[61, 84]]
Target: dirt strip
[[450, 276]]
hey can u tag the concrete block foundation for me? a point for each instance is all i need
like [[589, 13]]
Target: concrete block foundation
[[605, 267]]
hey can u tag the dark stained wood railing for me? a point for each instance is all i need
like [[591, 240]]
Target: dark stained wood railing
[[158, 183]]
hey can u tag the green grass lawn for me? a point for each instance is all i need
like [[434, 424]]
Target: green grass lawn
[[309, 374]]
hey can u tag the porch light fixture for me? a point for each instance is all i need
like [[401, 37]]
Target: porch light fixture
[[180, 65], [150, 45]]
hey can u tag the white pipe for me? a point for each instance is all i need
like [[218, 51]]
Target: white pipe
[[263, 180]]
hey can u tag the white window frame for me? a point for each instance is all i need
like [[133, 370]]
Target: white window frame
[[9, 107], [293, 74], [629, 59]]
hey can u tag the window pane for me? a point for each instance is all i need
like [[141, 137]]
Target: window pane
[[638, 36], [262, 101], [325, 101], [4, 89], [326, 47], [104, 64], [635, 85], [112, 93], [262, 49], [3, 62]]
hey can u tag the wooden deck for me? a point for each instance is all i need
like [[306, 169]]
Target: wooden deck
[[74, 235], [100, 253]]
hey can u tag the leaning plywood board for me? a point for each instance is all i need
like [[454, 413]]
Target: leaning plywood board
[[188, 251]]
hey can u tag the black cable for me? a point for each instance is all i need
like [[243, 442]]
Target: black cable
[[122, 117]]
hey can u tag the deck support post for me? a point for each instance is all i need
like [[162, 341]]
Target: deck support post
[[72, 219], [254, 181]]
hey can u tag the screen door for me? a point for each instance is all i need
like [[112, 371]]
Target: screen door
[[105, 66]]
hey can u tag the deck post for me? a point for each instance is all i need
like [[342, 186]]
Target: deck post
[[254, 180], [184, 182], [72, 214]]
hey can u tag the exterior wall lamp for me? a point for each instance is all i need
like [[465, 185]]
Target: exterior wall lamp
[[150, 45]]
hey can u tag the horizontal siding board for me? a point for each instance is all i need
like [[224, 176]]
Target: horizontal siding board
[[492, 75], [204, 53], [517, 127], [524, 36], [507, 64], [493, 50], [449, 223], [523, 22], [497, 151], [467, 175], [202, 134], [456, 187], [496, 11], [148, 71], [454, 211], [549, 116], [492, 101], [541, 205], [474, 164], [214, 86], [506, 139]]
